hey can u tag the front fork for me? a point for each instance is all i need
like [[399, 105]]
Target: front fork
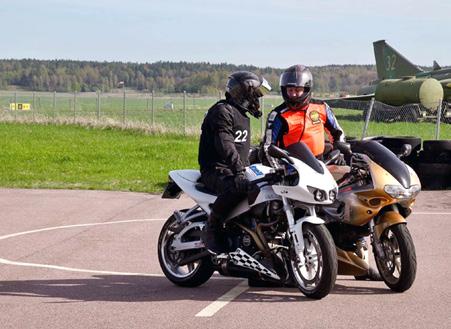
[[375, 241], [384, 220], [295, 227]]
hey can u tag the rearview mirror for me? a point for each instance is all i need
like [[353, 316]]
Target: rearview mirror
[[406, 149], [343, 147]]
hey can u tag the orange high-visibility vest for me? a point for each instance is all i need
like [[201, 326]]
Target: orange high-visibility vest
[[306, 126]]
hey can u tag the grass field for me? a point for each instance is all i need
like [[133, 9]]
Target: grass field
[[138, 159], [78, 157], [73, 157]]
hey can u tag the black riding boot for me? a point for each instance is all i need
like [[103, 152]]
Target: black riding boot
[[212, 235]]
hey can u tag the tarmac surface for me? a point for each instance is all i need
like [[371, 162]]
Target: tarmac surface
[[87, 259]]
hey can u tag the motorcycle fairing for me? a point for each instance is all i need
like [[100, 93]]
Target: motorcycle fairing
[[387, 219], [241, 258], [309, 177], [386, 159]]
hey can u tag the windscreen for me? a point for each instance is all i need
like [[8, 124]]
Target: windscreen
[[302, 152], [384, 158]]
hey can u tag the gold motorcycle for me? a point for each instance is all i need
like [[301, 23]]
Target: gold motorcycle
[[376, 195]]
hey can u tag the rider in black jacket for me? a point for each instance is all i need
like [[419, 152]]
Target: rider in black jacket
[[224, 149]]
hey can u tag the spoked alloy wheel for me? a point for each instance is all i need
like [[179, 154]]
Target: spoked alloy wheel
[[316, 277], [190, 275], [399, 265]]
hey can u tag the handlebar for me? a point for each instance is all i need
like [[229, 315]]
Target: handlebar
[[271, 177]]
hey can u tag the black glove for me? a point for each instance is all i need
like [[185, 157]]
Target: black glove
[[241, 183], [340, 160]]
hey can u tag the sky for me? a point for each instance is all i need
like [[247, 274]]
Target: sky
[[275, 33]]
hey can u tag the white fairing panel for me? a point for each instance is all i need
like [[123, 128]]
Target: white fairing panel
[[254, 172], [308, 177], [187, 180]]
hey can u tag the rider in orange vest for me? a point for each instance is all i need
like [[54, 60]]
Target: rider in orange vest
[[298, 118]]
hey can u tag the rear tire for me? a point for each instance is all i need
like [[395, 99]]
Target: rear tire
[[190, 275], [399, 266], [316, 278]]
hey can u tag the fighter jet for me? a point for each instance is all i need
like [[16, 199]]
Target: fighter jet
[[401, 82], [391, 65]]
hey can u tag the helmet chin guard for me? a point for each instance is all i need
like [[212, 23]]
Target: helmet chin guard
[[244, 89]]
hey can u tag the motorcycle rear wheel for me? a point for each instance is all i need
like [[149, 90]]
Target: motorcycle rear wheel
[[316, 278], [191, 275], [399, 265]]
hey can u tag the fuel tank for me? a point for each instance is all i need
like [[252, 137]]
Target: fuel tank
[[447, 89], [426, 91]]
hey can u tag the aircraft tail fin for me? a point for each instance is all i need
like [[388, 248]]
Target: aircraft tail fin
[[390, 64], [436, 66]]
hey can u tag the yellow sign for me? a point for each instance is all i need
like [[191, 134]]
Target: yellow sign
[[19, 106]]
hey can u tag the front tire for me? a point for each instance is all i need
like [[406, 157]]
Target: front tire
[[191, 275], [398, 267], [316, 277]]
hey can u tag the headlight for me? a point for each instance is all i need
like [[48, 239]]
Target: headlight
[[318, 195], [332, 195], [399, 192]]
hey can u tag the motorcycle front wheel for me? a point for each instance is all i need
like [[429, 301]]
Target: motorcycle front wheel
[[398, 265], [316, 277], [191, 275]]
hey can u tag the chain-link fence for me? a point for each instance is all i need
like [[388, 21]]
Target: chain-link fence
[[178, 113], [362, 119], [183, 113]]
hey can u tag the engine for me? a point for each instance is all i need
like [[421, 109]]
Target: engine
[[268, 218]]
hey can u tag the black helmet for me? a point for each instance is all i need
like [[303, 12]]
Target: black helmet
[[244, 88], [297, 76]]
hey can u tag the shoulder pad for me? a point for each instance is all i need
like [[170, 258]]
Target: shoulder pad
[[317, 101], [280, 108], [222, 103]]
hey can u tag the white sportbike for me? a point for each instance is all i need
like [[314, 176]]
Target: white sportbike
[[274, 235]]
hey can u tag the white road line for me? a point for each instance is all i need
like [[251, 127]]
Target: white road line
[[82, 270], [72, 269], [222, 301], [4, 237]]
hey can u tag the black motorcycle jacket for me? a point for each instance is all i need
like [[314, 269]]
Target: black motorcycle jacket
[[225, 139]]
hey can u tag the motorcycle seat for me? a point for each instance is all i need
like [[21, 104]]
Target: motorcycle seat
[[202, 188]]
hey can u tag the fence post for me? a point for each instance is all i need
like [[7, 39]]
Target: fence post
[[98, 105], [123, 106], [33, 104], [75, 103], [15, 105], [153, 114], [439, 115], [184, 112], [367, 119], [147, 103], [54, 103]]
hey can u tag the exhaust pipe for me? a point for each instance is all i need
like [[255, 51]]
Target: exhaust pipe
[[193, 258]]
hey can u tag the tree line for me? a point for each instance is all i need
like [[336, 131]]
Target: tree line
[[168, 77]]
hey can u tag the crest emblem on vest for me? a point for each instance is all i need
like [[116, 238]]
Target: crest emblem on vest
[[314, 116]]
